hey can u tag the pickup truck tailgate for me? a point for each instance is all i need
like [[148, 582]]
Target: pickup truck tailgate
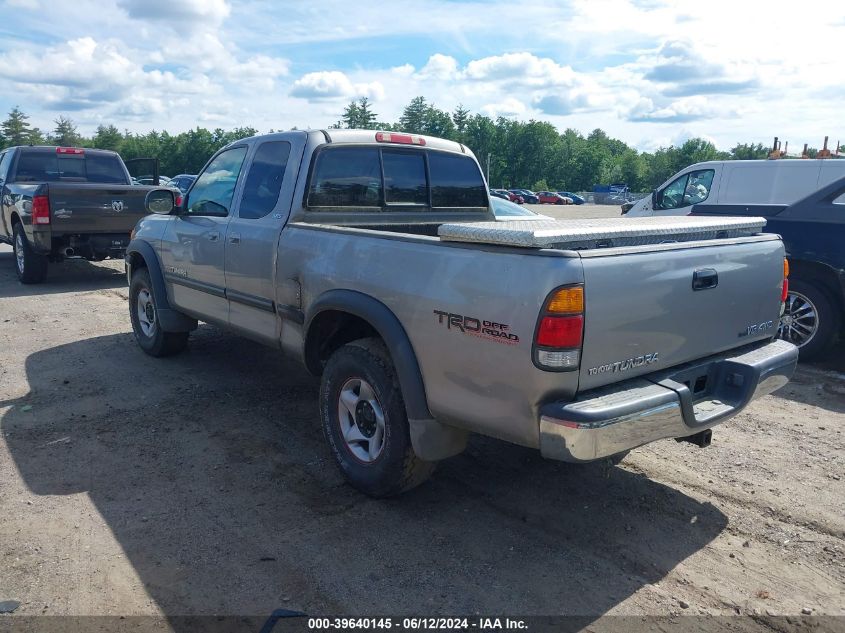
[[649, 309], [95, 208]]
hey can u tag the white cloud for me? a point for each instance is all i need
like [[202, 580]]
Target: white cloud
[[439, 67], [508, 107], [324, 85], [183, 14], [520, 68], [22, 4]]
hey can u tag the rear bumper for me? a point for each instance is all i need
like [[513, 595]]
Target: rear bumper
[[613, 419]]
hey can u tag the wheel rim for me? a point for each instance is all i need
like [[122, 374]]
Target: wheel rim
[[146, 312], [361, 420], [19, 252], [799, 322]]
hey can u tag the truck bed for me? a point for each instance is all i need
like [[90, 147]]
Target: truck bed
[[601, 232]]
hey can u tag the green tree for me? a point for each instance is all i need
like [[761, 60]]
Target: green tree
[[460, 117], [750, 151], [65, 133], [413, 116], [107, 137], [358, 115], [16, 129]]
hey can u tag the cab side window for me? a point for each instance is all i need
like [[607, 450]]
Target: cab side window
[[213, 191], [691, 188], [264, 180]]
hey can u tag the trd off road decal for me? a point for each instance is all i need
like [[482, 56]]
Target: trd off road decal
[[490, 330]]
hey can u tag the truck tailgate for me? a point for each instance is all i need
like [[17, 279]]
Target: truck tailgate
[[647, 310], [95, 208]]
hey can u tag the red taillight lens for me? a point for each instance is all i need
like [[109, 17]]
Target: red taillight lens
[[560, 332], [70, 150], [178, 201], [784, 290], [40, 210]]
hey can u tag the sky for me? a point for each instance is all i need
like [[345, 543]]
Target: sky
[[650, 72]]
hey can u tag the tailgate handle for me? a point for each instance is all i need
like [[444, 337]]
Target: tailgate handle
[[704, 279]]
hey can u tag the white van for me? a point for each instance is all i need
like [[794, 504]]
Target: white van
[[732, 182]]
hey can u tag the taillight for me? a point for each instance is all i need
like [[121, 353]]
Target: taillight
[[40, 210], [178, 201], [70, 150], [560, 330], [785, 287], [404, 139]]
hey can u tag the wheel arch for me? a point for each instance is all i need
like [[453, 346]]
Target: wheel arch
[[826, 277], [347, 315], [140, 254], [340, 316]]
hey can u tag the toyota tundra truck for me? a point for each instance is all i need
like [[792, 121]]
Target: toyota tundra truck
[[60, 202], [374, 258]]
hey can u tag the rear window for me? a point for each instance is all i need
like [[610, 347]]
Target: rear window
[[51, 167], [390, 179]]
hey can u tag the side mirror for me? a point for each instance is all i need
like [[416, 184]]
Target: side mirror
[[160, 202]]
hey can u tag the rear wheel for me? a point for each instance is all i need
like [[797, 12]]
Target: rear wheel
[[365, 423], [145, 325], [810, 320], [29, 265]]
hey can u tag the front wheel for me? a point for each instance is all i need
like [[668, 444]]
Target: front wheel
[[810, 320], [145, 325], [365, 423], [29, 265]]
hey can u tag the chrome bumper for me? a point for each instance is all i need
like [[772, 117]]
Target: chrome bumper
[[617, 418]]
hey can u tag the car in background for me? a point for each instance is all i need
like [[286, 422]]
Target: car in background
[[813, 232], [499, 194], [528, 196], [509, 195], [551, 197], [506, 211], [182, 182], [576, 199]]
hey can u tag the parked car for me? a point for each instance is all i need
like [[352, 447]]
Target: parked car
[[320, 244], [499, 194], [739, 182], [182, 182], [551, 197], [509, 195], [528, 196], [576, 199], [813, 232], [506, 211], [60, 202]]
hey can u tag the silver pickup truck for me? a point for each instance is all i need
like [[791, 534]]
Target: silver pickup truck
[[374, 258]]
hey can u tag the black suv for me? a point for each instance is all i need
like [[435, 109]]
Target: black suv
[[813, 232]]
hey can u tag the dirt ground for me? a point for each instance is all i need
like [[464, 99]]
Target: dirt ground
[[201, 484]]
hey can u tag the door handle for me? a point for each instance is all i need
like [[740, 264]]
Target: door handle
[[235, 238], [213, 236], [704, 279]]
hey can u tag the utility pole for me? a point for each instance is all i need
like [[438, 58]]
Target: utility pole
[[488, 169]]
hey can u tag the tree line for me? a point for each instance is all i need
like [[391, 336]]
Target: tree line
[[532, 154]]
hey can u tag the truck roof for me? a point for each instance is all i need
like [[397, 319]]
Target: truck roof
[[369, 136], [53, 148]]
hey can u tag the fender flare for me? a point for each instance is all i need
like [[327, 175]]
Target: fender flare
[[431, 440], [171, 320]]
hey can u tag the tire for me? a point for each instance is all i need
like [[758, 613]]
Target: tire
[[29, 265], [148, 333], [808, 298], [378, 458]]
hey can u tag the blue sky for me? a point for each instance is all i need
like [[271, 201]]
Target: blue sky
[[651, 72]]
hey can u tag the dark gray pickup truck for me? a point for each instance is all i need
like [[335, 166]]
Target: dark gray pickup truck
[[60, 202]]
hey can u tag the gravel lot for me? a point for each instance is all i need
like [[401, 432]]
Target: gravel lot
[[201, 485]]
